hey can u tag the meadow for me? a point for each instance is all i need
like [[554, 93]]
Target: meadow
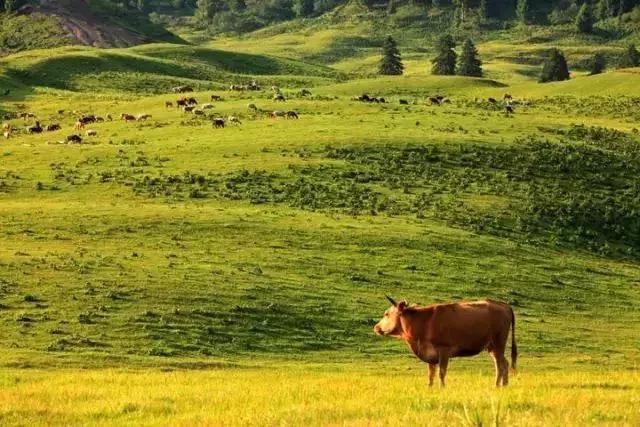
[[165, 272]]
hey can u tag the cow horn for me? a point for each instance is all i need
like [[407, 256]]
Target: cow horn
[[391, 300]]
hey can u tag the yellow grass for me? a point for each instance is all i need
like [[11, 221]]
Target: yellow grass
[[316, 395]]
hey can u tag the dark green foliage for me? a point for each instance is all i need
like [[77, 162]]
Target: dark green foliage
[[555, 68], [597, 64], [391, 63], [630, 58], [581, 190], [303, 7], [444, 64], [584, 20], [470, 64], [523, 11]]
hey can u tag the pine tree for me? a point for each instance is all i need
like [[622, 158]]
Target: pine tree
[[444, 64], [142, 5], [630, 58], [8, 5], [606, 9], [555, 68], [391, 63], [584, 20], [483, 10], [303, 8], [523, 11], [597, 64], [470, 64], [207, 9]]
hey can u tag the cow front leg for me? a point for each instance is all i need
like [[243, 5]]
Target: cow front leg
[[443, 362], [432, 373]]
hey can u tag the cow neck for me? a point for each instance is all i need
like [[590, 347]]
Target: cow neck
[[407, 329]]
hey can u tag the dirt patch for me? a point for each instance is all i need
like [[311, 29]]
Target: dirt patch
[[87, 27]]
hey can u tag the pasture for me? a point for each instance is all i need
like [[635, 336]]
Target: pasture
[[168, 272]]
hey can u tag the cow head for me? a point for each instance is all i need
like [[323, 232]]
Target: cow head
[[390, 324]]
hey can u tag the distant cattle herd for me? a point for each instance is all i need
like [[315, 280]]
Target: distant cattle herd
[[188, 104]]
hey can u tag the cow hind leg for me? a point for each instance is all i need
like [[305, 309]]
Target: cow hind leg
[[502, 368], [432, 373], [443, 363]]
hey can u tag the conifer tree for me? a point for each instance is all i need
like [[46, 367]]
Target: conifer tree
[[584, 20], [555, 68], [597, 64], [523, 11], [630, 58], [444, 64], [391, 63], [470, 64]]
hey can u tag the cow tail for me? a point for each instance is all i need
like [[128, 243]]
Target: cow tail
[[514, 347]]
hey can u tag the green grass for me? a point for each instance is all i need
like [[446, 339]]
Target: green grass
[[156, 68], [177, 265]]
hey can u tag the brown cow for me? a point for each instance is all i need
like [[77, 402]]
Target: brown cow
[[439, 332]]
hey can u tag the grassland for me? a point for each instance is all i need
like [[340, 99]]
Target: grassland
[[165, 272]]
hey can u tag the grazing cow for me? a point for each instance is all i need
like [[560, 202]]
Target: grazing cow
[[91, 132], [8, 129], [109, 117], [218, 122], [382, 100], [434, 100], [188, 109], [128, 117], [507, 97], [53, 127], [439, 332], [292, 115], [279, 97], [304, 92], [35, 128], [182, 102], [182, 89], [276, 114], [508, 109], [87, 119], [61, 112], [252, 107], [143, 117], [198, 112], [168, 104], [79, 125], [207, 106], [492, 100], [216, 98], [75, 139], [234, 119], [192, 101], [404, 102], [99, 119]]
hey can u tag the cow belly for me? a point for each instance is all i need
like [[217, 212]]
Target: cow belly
[[465, 352]]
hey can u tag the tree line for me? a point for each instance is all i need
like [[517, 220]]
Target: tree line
[[448, 62]]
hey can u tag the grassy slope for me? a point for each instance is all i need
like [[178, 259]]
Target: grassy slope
[[93, 275], [155, 69]]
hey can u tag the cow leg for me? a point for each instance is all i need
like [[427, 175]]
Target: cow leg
[[443, 362], [499, 370], [432, 373], [505, 371]]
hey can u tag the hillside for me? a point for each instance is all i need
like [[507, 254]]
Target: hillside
[[58, 23], [225, 262]]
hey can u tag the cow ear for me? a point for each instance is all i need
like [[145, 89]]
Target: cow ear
[[402, 305]]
